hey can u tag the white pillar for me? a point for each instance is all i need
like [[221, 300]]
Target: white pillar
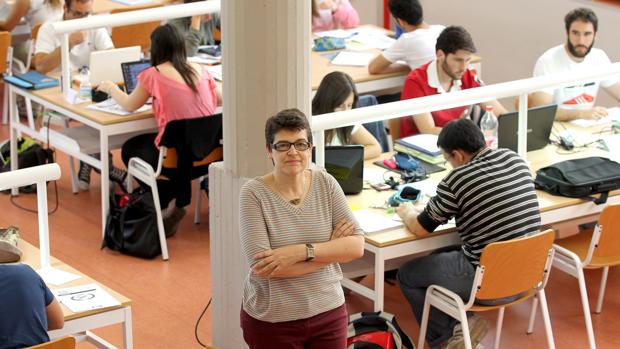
[[266, 49]]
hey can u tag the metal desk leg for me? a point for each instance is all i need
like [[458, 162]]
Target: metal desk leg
[[379, 280], [127, 334], [13, 120], [105, 178]]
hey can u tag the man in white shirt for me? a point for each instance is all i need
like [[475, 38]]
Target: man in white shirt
[[47, 48], [577, 54], [414, 47]]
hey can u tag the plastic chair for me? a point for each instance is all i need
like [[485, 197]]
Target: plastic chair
[[179, 134], [61, 343], [134, 34], [592, 249], [23, 67], [517, 267]]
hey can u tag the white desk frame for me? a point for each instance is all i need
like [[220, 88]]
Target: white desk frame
[[112, 134], [78, 327]]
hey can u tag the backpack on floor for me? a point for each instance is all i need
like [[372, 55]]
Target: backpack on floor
[[376, 330], [29, 154]]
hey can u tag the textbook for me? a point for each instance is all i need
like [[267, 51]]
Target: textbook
[[420, 155], [32, 80], [423, 143]]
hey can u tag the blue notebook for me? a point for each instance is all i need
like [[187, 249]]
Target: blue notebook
[[32, 80]]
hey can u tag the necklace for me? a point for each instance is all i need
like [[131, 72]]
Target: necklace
[[295, 201]]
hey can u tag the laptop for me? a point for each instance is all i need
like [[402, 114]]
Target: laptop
[[131, 70], [539, 124], [346, 164], [106, 64]]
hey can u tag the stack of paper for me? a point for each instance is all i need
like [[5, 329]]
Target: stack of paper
[[356, 59], [110, 106], [372, 222], [613, 115]]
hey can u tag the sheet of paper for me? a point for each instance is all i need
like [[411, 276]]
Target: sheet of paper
[[372, 222], [613, 115], [373, 174], [86, 297], [356, 59], [449, 224], [612, 143], [201, 58], [372, 40], [56, 277], [216, 71], [110, 106]]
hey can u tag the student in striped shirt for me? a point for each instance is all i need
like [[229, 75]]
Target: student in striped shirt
[[295, 227], [491, 195]]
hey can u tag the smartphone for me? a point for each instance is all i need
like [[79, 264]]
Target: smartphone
[[380, 186]]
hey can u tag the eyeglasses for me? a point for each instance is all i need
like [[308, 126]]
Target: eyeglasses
[[285, 146], [78, 14]]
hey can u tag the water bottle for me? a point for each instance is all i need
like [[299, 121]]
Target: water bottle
[[488, 125], [85, 85]]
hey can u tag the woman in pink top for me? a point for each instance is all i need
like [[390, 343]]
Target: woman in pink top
[[333, 14], [179, 90]]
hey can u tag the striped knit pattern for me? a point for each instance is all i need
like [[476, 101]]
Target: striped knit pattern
[[268, 221], [492, 198]]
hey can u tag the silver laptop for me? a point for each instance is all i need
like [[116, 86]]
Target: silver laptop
[[539, 124], [106, 65]]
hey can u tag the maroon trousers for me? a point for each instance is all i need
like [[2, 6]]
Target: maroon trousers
[[327, 330]]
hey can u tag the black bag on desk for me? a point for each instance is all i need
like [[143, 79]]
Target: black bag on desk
[[580, 178], [131, 225]]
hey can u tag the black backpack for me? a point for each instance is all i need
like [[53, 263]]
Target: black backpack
[[369, 330], [29, 154], [580, 178]]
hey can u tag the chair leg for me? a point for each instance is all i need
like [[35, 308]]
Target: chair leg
[[5, 104], [160, 221], [601, 291], [424, 323], [465, 327], [530, 326], [586, 308], [198, 201], [74, 179], [546, 319], [498, 329]]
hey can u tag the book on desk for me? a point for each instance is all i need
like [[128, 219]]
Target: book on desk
[[32, 80], [422, 146]]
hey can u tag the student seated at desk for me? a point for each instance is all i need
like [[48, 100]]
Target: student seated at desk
[[28, 308], [33, 11], [295, 227], [47, 47], [415, 46], [180, 90], [337, 92], [447, 73], [333, 14], [491, 195], [197, 30], [577, 54]]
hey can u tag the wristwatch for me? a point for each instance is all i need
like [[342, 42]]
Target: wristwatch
[[309, 252]]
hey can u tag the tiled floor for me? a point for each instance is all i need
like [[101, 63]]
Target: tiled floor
[[169, 296]]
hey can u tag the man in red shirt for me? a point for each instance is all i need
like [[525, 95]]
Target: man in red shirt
[[447, 73]]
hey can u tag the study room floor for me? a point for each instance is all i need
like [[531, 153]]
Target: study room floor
[[169, 296]]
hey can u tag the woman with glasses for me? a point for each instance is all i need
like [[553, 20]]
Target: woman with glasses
[[295, 227], [337, 92], [180, 90]]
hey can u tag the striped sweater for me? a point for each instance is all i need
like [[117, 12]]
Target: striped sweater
[[492, 198], [268, 221]]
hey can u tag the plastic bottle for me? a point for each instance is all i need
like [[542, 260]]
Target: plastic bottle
[[488, 125], [85, 85]]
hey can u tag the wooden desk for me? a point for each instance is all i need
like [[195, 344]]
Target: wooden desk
[[364, 81], [100, 133], [387, 247], [80, 324]]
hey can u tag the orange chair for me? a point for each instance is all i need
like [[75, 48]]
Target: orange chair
[[134, 34], [508, 268], [593, 249], [61, 343]]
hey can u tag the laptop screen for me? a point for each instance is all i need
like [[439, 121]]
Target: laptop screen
[[539, 124], [346, 164], [131, 70]]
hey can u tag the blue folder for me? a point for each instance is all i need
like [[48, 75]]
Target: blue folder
[[32, 80]]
